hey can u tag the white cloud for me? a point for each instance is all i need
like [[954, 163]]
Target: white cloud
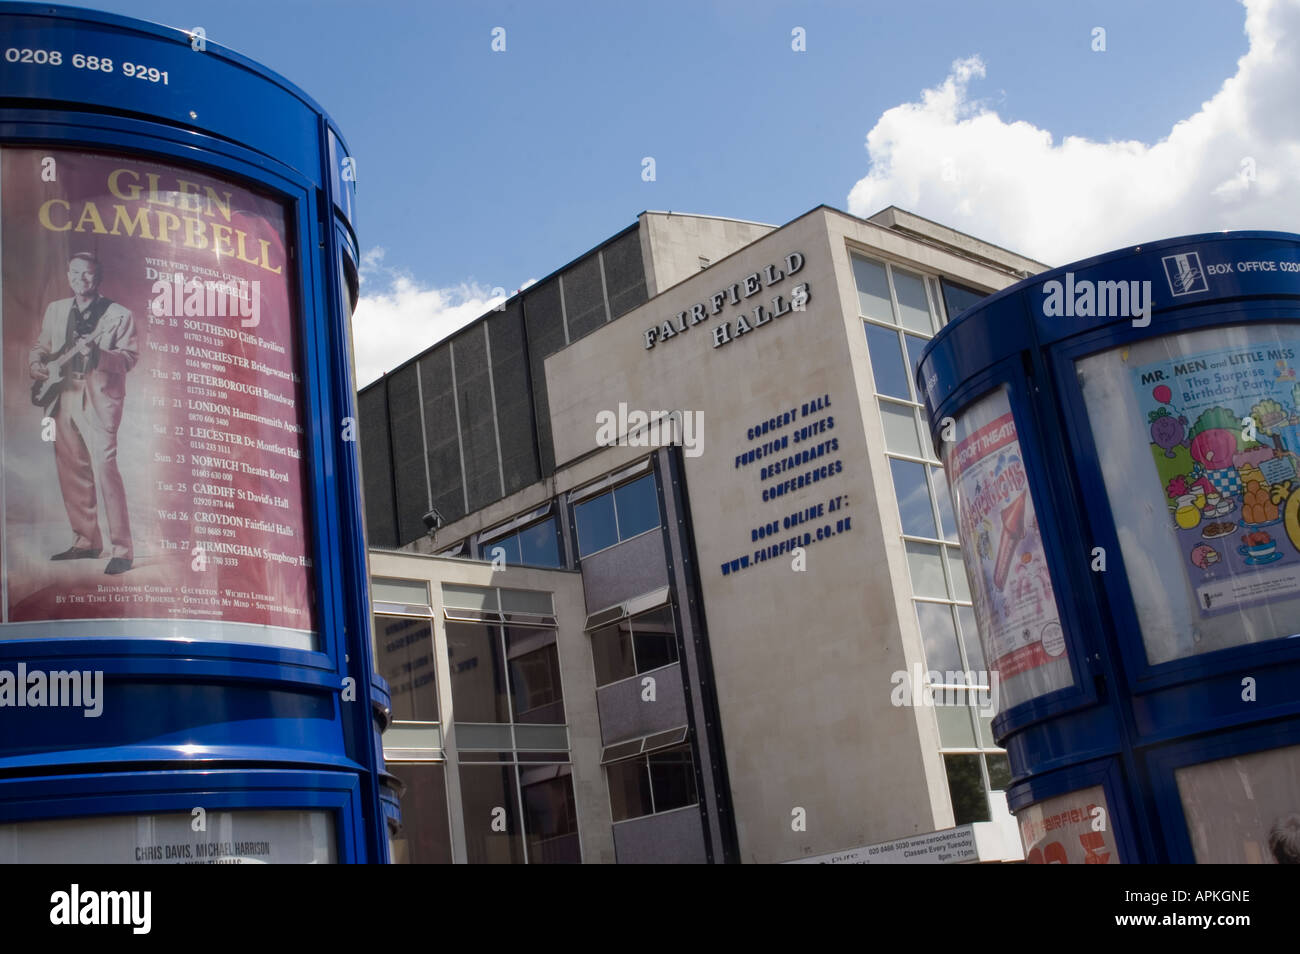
[[1234, 164], [404, 316]]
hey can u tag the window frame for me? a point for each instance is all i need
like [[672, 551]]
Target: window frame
[[575, 503], [933, 466], [644, 759]]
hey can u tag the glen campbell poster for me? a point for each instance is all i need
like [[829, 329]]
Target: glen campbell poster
[[153, 450]]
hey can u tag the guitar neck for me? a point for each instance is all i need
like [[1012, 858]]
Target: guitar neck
[[72, 352]]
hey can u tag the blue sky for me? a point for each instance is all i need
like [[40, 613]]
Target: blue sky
[[481, 169]]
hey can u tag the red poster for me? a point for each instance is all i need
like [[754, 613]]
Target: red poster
[[153, 448]]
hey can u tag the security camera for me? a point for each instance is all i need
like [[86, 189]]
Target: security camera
[[432, 521]]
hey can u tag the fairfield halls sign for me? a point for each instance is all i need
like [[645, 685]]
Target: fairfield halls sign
[[737, 294]]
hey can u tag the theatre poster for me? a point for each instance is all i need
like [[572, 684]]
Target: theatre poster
[[155, 479]]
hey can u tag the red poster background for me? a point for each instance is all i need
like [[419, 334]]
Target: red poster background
[[185, 487]]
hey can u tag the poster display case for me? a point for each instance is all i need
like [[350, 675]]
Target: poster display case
[[1152, 394], [182, 557]]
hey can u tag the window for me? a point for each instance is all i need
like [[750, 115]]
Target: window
[[634, 645], [536, 545], [957, 298], [550, 815], [650, 784], [425, 835], [404, 656], [520, 813], [502, 658], [489, 797], [623, 513], [966, 788], [534, 665], [478, 681], [900, 311]]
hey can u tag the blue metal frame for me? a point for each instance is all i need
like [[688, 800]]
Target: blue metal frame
[[1010, 373], [151, 793], [226, 702]]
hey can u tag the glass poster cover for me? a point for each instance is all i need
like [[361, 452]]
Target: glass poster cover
[[1015, 602], [1198, 437], [153, 446]]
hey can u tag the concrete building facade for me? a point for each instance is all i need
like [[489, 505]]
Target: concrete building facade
[[692, 472]]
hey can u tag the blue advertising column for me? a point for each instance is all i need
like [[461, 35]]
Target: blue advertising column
[[1122, 441], [186, 669]]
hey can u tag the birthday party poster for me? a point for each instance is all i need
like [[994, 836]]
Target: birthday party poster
[[1224, 429]]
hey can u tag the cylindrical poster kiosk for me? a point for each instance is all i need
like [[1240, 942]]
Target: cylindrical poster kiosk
[[1122, 441], [185, 662]]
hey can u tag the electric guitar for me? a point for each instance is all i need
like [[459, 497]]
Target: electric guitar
[[45, 391]]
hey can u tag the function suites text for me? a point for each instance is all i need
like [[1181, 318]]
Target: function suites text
[[749, 319]]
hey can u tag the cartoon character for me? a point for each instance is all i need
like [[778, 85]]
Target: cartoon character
[[1213, 442], [1204, 556], [1167, 431]]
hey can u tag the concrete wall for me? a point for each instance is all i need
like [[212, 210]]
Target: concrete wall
[[672, 244]]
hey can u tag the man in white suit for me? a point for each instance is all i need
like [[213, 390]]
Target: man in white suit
[[101, 335]]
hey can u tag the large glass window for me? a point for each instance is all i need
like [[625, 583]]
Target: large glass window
[[620, 514], [550, 815], [966, 788], [887, 364], [504, 664], [536, 545], [648, 784], [915, 505], [535, 689], [478, 677], [957, 298], [425, 834], [634, 645], [404, 656], [490, 804], [519, 813], [1198, 441], [873, 289], [900, 311], [913, 303]]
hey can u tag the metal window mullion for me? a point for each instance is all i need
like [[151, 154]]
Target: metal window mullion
[[893, 295], [519, 800], [505, 672], [651, 782], [636, 665]]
